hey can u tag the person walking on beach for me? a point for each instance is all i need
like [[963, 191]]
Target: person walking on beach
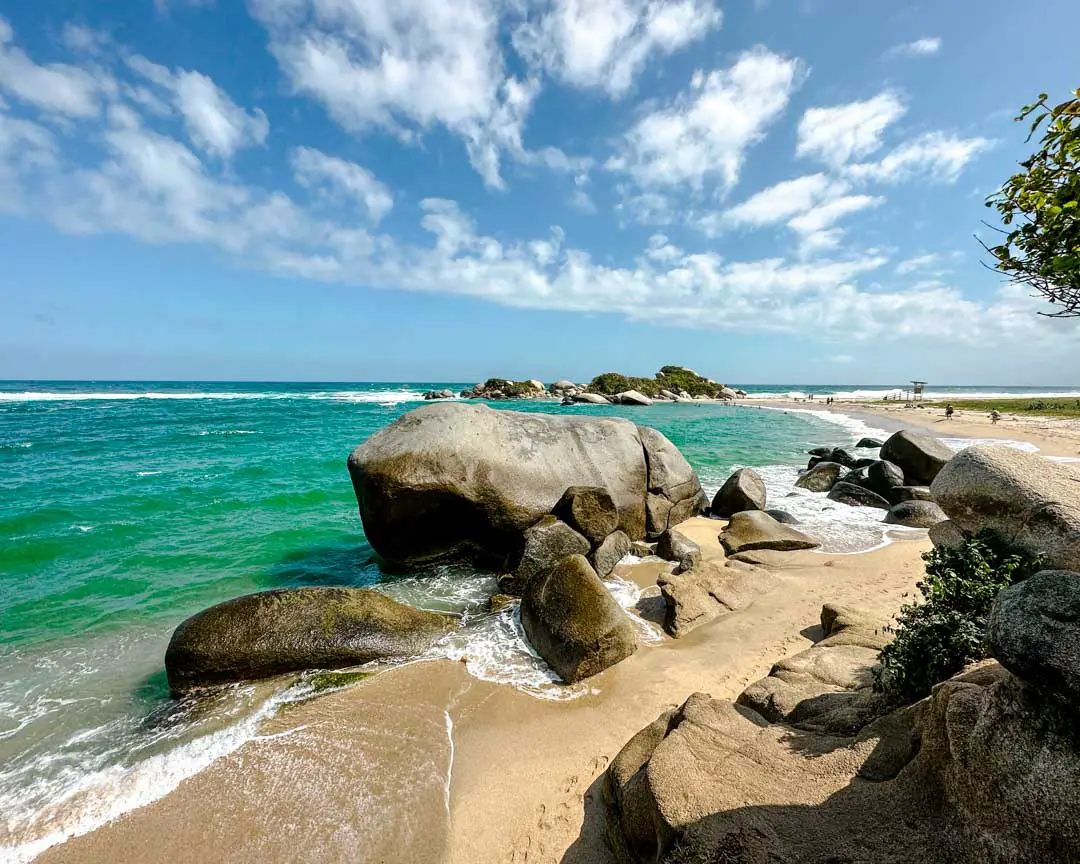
[[948, 411], [994, 417]]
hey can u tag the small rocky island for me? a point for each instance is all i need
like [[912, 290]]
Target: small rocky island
[[670, 384]]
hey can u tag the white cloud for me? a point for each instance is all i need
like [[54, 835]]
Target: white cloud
[[842, 358], [827, 214], [662, 250], [934, 156], [920, 262], [841, 133], [925, 47], [83, 39], [54, 87], [781, 202], [810, 206], [315, 170], [705, 132], [605, 43], [215, 123]]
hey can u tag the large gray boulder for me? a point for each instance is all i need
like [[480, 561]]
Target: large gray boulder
[[900, 494], [674, 491], [882, 477], [291, 629], [573, 622], [546, 542], [915, 514], [743, 490], [462, 480], [1034, 632], [919, 456], [589, 510], [981, 772], [821, 477], [1029, 501], [755, 529]]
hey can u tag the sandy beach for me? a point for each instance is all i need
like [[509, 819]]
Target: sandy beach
[[1054, 436], [424, 763]]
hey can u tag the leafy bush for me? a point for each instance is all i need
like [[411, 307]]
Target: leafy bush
[[509, 389], [937, 638], [611, 383]]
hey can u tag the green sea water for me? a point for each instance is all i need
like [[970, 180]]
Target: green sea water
[[125, 508]]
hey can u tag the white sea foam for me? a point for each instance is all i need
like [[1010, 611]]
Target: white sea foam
[[82, 802], [389, 396], [146, 473], [227, 432], [855, 427]]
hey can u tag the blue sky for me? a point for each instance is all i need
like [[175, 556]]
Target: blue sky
[[766, 190]]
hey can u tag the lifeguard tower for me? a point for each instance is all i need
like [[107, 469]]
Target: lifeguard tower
[[917, 390]]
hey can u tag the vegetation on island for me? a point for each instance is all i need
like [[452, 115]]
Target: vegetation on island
[[509, 389], [937, 638], [1040, 208], [673, 378]]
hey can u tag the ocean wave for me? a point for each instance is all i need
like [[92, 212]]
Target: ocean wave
[[80, 801], [226, 432], [387, 397], [854, 426]]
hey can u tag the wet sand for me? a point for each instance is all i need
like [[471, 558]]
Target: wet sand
[[425, 764]]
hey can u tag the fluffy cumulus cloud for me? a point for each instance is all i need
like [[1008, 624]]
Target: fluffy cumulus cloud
[[215, 124], [336, 177], [705, 133], [837, 134], [144, 150], [604, 44]]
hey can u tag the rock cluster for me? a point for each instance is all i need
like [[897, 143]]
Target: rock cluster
[[985, 769], [501, 388], [896, 482]]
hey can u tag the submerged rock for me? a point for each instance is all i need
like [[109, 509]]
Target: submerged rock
[[573, 622], [919, 456], [291, 629], [869, 444], [756, 529], [1029, 501], [821, 477], [464, 481], [743, 490], [857, 496], [783, 517]]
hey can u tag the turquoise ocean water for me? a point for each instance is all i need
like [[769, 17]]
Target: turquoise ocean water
[[125, 508]]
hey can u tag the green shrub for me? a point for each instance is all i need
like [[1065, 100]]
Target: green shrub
[[937, 638], [611, 383], [509, 389], [677, 378]]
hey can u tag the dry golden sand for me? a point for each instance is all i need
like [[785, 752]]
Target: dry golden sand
[[363, 776], [1054, 436]]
